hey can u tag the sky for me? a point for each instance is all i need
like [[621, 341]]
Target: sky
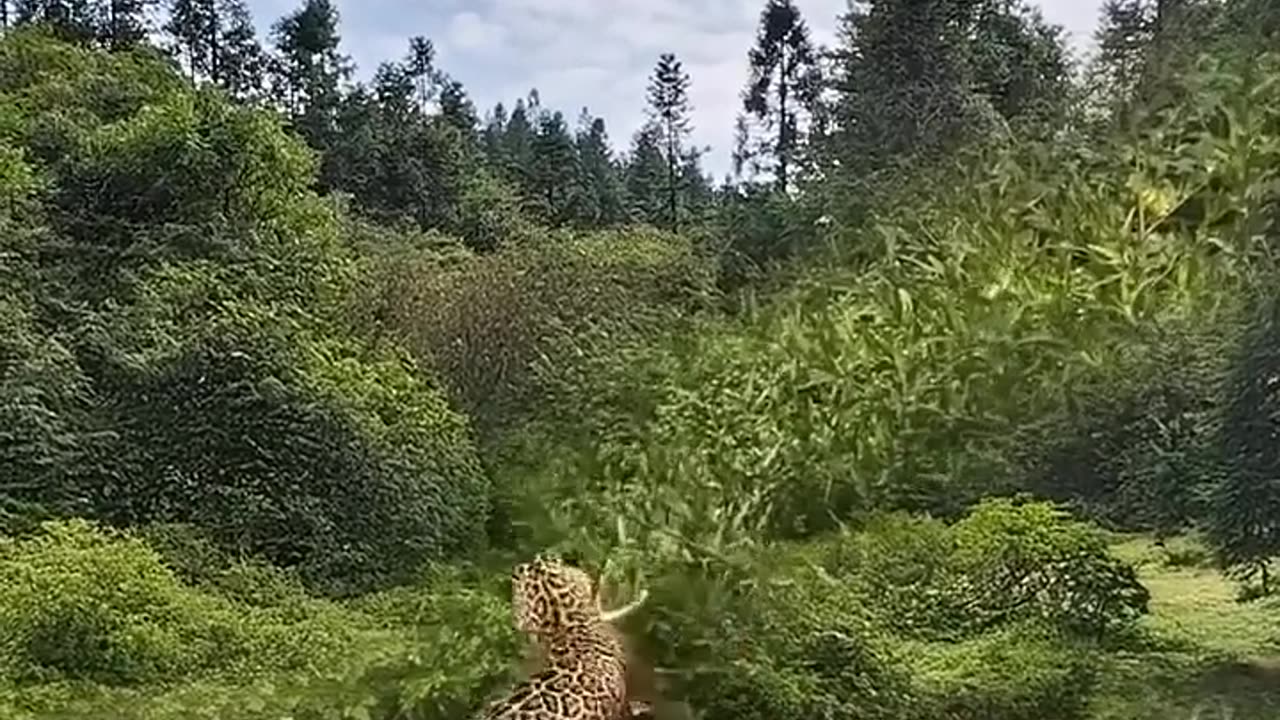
[[596, 53]]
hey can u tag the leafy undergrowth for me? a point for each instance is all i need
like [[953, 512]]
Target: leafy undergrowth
[[893, 621], [1209, 653]]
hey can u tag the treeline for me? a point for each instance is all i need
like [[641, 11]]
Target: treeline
[[409, 145]]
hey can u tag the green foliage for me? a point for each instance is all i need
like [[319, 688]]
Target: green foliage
[[850, 626], [80, 603], [42, 413], [1243, 514], [1017, 673], [506, 331], [919, 79], [1138, 446], [203, 368], [348, 468], [907, 382]]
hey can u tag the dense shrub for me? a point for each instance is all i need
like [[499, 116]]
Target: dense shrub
[[1016, 673], [507, 330], [80, 603], [186, 350], [1005, 562], [1136, 448], [43, 429], [351, 470], [899, 620]]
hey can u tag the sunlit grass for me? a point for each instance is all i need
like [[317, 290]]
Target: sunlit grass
[[1210, 654]]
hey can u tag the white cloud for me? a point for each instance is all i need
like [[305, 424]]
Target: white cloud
[[470, 32], [598, 53]]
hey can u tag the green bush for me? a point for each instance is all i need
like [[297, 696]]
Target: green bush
[[350, 470], [79, 603], [43, 429], [1136, 449], [1016, 673], [1003, 605], [507, 331], [191, 297]]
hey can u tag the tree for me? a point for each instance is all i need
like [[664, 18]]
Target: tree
[[603, 202], [456, 108], [72, 20], [242, 66], [645, 175], [1123, 38], [313, 69], [669, 108], [783, 80], [125, 24], [420, 65], [554, 174], [1244, 525], [917, 78], [193, 28]]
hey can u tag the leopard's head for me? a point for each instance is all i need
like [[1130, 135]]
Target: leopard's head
[[548, 595]]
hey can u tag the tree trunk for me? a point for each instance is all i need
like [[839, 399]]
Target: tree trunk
[[671, 177], [783, 149]]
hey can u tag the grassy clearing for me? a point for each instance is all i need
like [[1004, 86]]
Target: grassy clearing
[[1210, 656]]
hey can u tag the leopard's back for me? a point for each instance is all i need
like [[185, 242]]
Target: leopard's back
[[584, 659]]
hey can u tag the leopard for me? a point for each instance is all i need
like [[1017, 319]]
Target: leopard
[[583, 667]]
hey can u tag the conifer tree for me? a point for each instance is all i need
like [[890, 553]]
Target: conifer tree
[[783, 82], [75, 21], [645, 176], [603, 202], [125, 24], [243, 64], [313, 69], [1244, 525], [554, 174], [669, 109]]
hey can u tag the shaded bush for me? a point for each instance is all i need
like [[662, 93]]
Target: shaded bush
[[1137, 448], [506, 330], [351, 471], [909, 618], [44, 432], [1244, 520]]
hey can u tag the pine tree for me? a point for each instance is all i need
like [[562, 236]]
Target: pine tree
[[420, 65], [602, 204], [517, 147], [669, 108], [313, 68], [917, 78], [125, 24], [645, 176], [193, 27], [456, 107], [495, 128], [555, 175], [1124, 37], [243, 64], [784, 81], [75, 21], [1244, 524]]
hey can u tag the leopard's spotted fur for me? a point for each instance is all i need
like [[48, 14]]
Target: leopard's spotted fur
[[583, 674]]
